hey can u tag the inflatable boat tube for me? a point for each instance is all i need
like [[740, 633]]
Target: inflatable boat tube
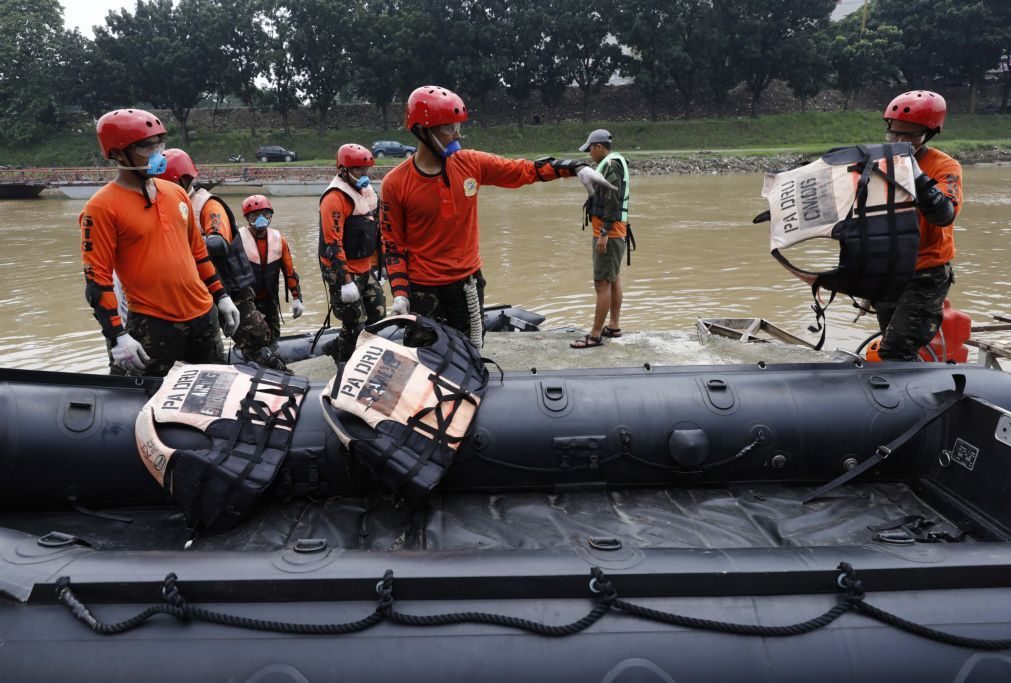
[[72, 436], [295, 347]]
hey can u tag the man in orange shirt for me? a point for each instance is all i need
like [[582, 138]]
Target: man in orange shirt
[[429, 212], [217, 224], [144, 229], [349, 247], [909, 321], [268, 254]]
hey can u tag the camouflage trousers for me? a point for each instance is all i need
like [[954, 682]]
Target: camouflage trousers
[[193, 341], [370, 308], [270, 309], [446, 303], [253, 332], [909, 322]]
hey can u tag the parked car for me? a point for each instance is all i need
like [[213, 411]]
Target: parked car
[[275, 153], [391, 148]]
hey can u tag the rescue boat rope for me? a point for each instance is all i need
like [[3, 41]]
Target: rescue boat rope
[[853, 599]]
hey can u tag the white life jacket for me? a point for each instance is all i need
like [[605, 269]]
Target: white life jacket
[[247, 411], [865, 198], [403, 411]]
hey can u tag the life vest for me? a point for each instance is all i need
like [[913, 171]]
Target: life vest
[[863, 197], [265, 275], [233, 267], [599, 197], [403, 411], [594, 206], [361, 229], [247, 412]]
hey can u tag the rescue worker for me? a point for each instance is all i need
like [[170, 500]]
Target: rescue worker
[[911, 319], [217, 225], [429, 212], [269, 255], [608, 214], [145, 230], [349, 247]]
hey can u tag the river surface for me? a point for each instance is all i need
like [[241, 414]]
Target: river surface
[[698, 256]]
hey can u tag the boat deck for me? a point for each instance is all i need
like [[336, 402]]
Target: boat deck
[[761, 515]]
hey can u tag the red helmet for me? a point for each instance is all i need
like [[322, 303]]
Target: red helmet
[[350, 156], [918, 106], [121, 128], [255, 202], [431, 105], [177, 165]]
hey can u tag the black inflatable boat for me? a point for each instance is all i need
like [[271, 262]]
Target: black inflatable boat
[[830, 522]]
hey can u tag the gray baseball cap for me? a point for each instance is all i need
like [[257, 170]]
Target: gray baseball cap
[[599, 135]]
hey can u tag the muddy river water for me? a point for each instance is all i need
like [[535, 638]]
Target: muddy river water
[[698, 256]]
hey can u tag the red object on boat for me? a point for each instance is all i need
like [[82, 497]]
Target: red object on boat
[[947, 344]]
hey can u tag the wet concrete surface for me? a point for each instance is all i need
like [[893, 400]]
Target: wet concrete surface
[[550, 350]]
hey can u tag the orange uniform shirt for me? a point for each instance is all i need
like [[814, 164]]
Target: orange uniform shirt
[[333, 213], [430, 232], [158, 253], [937, 244], [214, 219]]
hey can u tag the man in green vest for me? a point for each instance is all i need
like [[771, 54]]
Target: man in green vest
[[607, 210]]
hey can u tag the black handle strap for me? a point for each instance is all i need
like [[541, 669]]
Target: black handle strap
[[883, 452]]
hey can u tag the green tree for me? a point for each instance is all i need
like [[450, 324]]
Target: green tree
[[584, 50], [476, 62], [31, 32], [374, 65], [947, 39], [648, 29], [244, 41], [521, 42], [318, 45], [769, 34], [167, 55], [282, 93], [863, 55]]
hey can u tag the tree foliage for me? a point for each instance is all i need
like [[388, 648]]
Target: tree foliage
[[285, 54]]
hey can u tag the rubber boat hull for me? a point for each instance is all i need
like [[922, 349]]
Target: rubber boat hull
[[71, 436], [297, 347]]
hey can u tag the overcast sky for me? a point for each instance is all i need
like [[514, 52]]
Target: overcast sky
[[84, 14]]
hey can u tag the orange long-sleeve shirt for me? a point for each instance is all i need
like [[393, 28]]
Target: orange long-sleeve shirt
[[333, 213], [157, 251], [937, 244], [430, 231], [214, 218]]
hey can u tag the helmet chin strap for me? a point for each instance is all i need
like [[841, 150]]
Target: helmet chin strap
[[426, 138]]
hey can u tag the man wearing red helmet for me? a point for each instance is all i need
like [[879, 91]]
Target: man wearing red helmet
[[429, 212], [144, 229], [909, 321], [217, 224], [268, 254], [349, 247]]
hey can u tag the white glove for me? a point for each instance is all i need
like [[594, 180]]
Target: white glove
[[297, 308], [591, 179], [916, 167], [350, 293], [229, 315], [401, 306], [129, 354]]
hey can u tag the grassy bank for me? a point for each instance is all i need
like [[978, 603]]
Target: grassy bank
[[807, 132]]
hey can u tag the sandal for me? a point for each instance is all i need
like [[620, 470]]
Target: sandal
[[588, 341], [612, 332]]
